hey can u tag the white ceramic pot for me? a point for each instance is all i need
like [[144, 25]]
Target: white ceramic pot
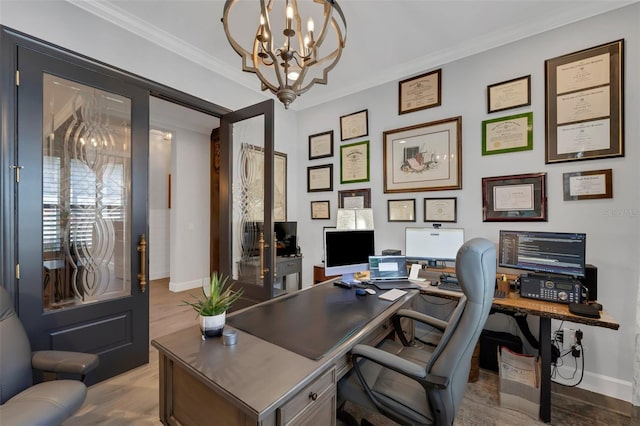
[[211, 326]]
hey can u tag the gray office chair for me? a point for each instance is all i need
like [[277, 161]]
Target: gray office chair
[[425, 385], [47, 403]]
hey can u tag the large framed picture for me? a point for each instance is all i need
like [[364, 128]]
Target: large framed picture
[[354, 125], [320, 210], [585, 105], [401, 210], [507, 134], [509, 94], [514, 198], [424, 157], [587, 185], [354, 199], [440, 209], [420, 92], [354, 162], [321, 145], [253, 174], [320, 178]]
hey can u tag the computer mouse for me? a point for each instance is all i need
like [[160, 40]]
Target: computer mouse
[[370, 290]]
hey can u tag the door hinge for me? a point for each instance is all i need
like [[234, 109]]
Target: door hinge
[[17, 77], [17, 271], [17, 169]]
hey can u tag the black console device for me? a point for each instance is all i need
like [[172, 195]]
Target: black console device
[[584, 310], [550, 288]]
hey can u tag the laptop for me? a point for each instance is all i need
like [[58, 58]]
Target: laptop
[[388, 272]]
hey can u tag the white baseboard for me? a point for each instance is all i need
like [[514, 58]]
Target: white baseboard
[[186, 285], [158, 275], [598, 383]]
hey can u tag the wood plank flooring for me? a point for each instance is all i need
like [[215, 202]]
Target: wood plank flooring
[[132, 398]]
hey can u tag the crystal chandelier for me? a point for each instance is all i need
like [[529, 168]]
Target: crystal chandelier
[[286, 60]]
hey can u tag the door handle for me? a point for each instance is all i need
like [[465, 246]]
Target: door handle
[[142, 275], [262, 246]]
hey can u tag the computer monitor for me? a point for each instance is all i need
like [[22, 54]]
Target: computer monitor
[[433, 245], [549, 252], [347, 252], [287, 237]]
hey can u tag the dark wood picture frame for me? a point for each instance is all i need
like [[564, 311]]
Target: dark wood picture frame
[[320, 210], [514, 198], [401, 210], [441, 209], [365, 193], [317, 145], [354, 125], [584, 93], [420, 92], [313, 176], [588, 185], [509, 94]]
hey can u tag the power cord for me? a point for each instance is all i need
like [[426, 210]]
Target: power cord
[[576, 351]]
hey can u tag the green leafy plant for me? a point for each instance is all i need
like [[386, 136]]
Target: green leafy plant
[[216, 298]]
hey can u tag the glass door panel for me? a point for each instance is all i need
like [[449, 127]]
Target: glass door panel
[[86, 181]]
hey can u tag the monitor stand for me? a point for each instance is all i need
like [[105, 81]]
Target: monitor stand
[[349, 278]]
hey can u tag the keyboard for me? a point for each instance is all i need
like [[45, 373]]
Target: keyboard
[[451, 286]]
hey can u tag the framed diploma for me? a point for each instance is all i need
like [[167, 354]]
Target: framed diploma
[[509, 94], [421, 92], [354, 125], [320, 178], [354, 199], [507, 134], [354, 162], [424, 157], [440, 209], [514, 198], [320, 210], [321, 145], [587, 185], [401, 210], [584, 104]]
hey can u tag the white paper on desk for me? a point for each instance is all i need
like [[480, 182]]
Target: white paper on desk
[[393, 294]]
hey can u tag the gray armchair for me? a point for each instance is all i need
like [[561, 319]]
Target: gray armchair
[[425, 385], [25, 403]]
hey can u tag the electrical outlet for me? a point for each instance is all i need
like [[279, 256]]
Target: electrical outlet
[[568, 338]]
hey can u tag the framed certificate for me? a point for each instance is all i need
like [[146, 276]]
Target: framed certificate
[[509, 94], [354, 125], [401, 210], [584, 104], [440, 209], [354, 162], [354, 199], [514, 198], [420, 92], [320, 210], [588, 185], [321, 145], [507, 134], [320, 178]]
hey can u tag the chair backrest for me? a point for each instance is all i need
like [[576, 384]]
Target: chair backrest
[[15, 351], [476, 273]]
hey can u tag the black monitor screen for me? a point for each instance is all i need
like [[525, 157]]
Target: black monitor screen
[[287, 237], [347, 252], [550, 252]]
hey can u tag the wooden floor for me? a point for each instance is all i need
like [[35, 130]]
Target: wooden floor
[[132, 398]]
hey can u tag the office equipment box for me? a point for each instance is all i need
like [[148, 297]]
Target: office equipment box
[[491, 341], [519, 382]]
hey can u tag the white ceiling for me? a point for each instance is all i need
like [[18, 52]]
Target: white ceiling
[[388, 40]]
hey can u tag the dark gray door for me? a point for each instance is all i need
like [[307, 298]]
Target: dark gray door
[[82, 146], [247, 201]]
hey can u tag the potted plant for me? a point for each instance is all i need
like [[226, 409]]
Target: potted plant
[[213, 305]]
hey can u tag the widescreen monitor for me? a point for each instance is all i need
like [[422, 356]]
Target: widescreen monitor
[[347, 252], [548, 252], [433, 245]]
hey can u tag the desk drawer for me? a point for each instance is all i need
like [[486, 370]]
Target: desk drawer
[[317, 393], [292, 266]]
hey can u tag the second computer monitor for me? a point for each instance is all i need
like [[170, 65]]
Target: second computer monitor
[[347, 252], [434, 246]]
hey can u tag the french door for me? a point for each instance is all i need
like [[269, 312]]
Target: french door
[[82, 158], [247, 251]]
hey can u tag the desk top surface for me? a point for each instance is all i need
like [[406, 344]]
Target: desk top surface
[[514, 303]]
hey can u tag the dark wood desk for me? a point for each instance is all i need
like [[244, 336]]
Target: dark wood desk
[[256, 382], [546, 311]]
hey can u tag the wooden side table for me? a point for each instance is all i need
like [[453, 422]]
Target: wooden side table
[[318, 274]]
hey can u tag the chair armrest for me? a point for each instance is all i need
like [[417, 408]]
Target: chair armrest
[[64, 362], [388, 360], [423, 318]]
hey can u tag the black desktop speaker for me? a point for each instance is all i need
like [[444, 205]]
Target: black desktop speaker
[[590, 282]]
